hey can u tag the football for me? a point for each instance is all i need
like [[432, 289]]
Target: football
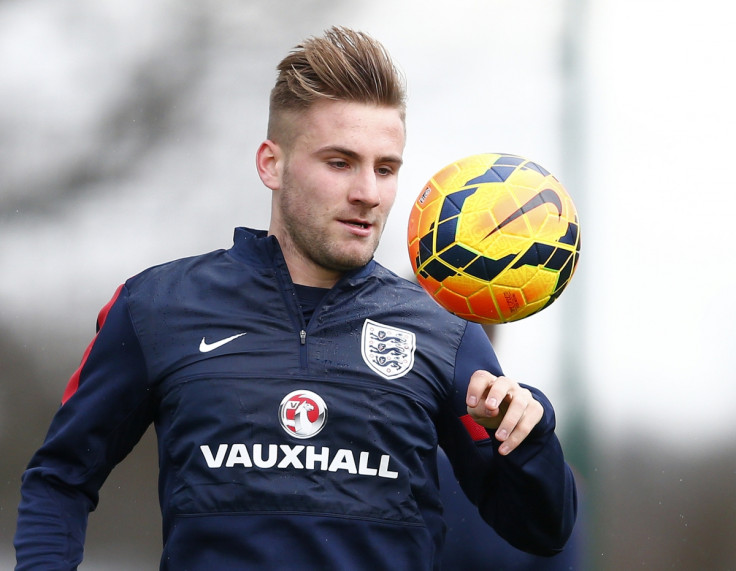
[[494, 238]]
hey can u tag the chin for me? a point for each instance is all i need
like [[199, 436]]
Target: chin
[[348, 258], [347, 263]]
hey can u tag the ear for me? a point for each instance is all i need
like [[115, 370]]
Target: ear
[[269, 163]]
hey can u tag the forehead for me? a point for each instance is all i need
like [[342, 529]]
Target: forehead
[[361, 127]]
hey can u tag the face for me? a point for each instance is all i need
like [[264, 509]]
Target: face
[[333, 187]]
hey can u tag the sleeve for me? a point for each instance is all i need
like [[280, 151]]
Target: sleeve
[[106, 408], [529, 496]]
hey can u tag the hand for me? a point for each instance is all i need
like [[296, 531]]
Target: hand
[[502, 404]]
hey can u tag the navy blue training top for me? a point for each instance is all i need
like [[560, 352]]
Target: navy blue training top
[[284, 444]]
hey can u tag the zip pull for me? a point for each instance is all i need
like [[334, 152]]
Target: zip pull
[[303, 337]]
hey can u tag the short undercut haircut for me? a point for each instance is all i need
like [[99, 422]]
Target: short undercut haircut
[[342, 65]]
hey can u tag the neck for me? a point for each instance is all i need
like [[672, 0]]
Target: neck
[[304, 271]]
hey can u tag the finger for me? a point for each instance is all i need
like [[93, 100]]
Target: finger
[[498, 393], [512, 415], [480, 381], [517, 425]]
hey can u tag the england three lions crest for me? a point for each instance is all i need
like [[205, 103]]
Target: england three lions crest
[[388, 351]]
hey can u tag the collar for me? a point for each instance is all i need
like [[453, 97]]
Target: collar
[[257, 248]]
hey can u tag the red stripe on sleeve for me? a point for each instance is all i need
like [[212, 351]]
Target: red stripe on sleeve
[[476, 431], [73, 383]]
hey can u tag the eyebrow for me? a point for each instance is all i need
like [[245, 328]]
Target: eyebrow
[[397, 160]]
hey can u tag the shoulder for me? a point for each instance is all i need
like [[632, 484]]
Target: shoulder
[[178, 283], [409, 287], [468, 338], [172, 271], [409, 298], [251, 249]]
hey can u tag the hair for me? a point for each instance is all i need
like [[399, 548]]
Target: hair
[[343, 65]]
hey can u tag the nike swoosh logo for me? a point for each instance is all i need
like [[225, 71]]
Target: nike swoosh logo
[[205, 347], [547, 196]]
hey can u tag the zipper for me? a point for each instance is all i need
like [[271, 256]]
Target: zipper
[[288, 293], [303, 357]]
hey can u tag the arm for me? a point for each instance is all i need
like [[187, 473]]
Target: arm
[[511, 467], [106, 409]]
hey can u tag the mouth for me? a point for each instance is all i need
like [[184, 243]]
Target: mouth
[[358, 226]]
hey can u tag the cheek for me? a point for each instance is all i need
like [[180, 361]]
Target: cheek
[[388, 196], [320, 191]]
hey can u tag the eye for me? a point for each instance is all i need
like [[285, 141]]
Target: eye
[[339, 164], [384, 170]]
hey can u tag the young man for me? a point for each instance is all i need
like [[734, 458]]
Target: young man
[[300, 390]]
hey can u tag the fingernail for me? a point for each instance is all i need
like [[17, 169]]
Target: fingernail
[[493, 403], [503, 449], [472, 401], [502, 434]]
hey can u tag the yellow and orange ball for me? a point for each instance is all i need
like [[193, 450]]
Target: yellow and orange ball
[[494, 238]]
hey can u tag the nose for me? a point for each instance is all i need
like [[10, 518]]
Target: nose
[[365, 189]]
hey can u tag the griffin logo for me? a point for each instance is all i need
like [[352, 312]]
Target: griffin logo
[[302, 414]]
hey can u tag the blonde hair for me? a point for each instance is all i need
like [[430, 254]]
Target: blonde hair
[[343, 65]]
